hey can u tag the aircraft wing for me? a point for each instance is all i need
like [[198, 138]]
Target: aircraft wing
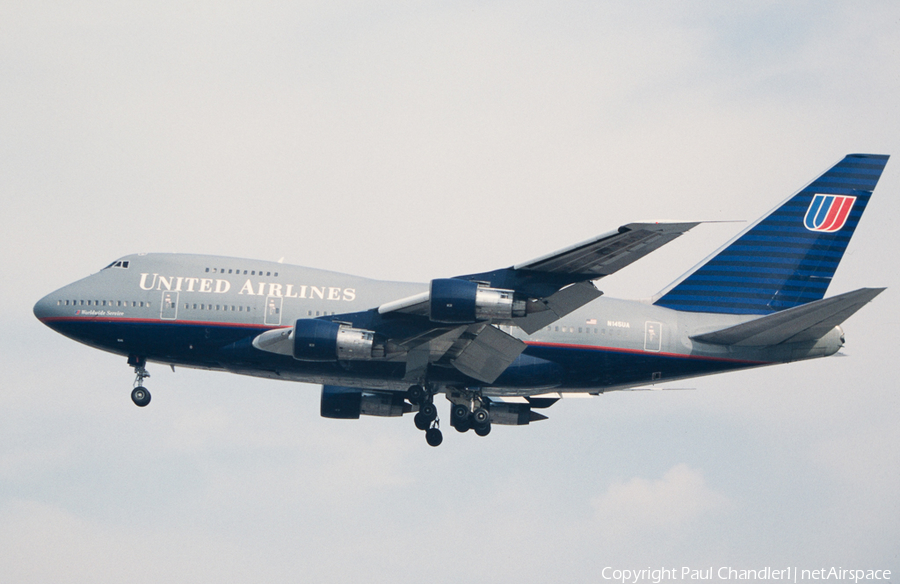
[[608, 253], [559, 283], [453, 323]]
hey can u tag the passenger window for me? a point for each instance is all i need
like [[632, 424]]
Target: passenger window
[[207, 270]]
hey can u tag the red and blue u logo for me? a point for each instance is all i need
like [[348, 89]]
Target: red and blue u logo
[[828, 213]]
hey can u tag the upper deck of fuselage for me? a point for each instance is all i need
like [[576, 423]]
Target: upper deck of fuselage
[[205, 288]]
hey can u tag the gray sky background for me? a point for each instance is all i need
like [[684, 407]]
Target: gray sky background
[[417, 140]]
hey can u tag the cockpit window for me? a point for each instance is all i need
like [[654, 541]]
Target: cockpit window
[[117, 264]]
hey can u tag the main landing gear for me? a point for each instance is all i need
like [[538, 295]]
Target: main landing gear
[[470, 411], [427, 417], [139, 395]]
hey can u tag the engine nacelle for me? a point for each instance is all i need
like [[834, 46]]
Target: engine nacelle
[[456, 301], [349, 403], [323, 340]]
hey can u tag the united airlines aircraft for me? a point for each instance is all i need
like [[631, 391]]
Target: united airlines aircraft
[[499, 345]]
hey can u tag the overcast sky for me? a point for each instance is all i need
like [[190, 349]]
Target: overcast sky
[[409, 141]]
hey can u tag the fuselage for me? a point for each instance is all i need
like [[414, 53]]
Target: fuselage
[[204, 311]]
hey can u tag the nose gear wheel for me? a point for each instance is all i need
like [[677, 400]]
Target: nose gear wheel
[[139, 395]]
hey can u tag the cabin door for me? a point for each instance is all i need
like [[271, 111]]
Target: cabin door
[[273, 310], [169, 305]]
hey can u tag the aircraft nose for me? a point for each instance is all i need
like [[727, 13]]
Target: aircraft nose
[[46, 308], [41, 309]]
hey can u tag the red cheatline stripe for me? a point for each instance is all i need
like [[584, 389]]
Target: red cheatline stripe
[[114, 320], [646, 353]]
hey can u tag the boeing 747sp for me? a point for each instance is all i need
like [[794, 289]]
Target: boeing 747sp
[[499, 345]]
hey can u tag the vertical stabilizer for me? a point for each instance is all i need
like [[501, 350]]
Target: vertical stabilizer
[[788, 257]]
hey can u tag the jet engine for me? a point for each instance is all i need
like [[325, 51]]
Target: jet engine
[[323, 340], [349, 403], [456, 301]]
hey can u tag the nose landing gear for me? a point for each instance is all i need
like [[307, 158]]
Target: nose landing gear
[[139, 395]]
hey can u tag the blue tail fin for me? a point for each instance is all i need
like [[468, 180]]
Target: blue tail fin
[[789, 256]]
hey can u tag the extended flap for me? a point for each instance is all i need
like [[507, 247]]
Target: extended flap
[[488, 354]]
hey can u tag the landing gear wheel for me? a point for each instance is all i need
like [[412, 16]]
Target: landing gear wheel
[[434, 437], [422, 421], [416, 394], [460, 412], [462, 425], [428, 410], [459, 418], [481, 417], [483, 430], [140, 396]]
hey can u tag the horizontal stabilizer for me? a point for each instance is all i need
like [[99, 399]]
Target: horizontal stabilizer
[[806, 322]]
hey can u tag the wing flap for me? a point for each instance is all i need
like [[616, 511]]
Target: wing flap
[[806, 322], [487, 354], [557, 305]]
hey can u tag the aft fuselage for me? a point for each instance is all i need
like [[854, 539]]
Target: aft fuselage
[[204, 311]]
